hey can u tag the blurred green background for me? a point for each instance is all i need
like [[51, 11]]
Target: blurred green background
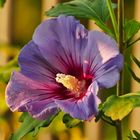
[[18, 19]]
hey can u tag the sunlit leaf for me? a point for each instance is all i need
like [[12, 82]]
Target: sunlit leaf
[[2, 2], [137, 62], [136, 134], [102, 116], [30, 125], [69, 121], [131, 28], [90, 9], [131, 136], [135, 77], [105, 118], [117, 107]]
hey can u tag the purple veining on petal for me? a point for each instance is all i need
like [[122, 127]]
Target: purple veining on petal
[[63, 46], [112, 67], [22, 91], [42, 109], [100, 48], [102, 59], [84, 108], [35, 66]]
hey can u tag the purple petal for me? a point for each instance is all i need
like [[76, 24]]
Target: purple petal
[[42, 109], [108, 74], [109, 78], [35, 66], [100, 49], [83, 109], [22, 92], [117, 61], [62, 41]]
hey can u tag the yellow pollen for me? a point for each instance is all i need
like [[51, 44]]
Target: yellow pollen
[[68, 81]]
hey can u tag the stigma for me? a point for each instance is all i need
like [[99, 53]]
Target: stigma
[[68, 81]]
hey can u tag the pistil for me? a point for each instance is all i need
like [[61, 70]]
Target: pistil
[[68, 81]]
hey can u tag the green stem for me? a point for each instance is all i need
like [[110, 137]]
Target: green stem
[[121, 42], [121, 24], [132, 43], [113, 18], [120, 86], [119, 130]]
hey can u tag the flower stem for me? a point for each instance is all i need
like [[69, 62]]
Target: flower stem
[[120, 86], [121, 25], [113, 18], [119, 130]]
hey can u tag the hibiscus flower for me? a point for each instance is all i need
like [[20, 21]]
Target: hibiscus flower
[[62, 68]]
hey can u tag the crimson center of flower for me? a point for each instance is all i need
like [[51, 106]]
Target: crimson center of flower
[[70, 82]]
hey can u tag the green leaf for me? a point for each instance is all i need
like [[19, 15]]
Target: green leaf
[[22, 117], [90, 9], [131, 136], [117, 107], [137, 62], [5, 75], [2, 2], [30, 125], [12, 63], [128, 44], [131, 28], [132, 73], [100, 113], [136, 134], [69, 121], [6, 70]]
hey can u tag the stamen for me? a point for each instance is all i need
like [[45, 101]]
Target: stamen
[[68, 81]]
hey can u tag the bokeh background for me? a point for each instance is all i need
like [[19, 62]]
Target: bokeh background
[[18, 19]]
